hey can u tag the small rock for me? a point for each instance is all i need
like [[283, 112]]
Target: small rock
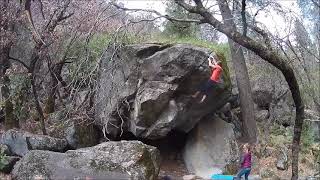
[[10, 162], [282, 161]]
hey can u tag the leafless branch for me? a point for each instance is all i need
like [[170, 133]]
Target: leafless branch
[[170, 18], [264, 34], [21, 62]]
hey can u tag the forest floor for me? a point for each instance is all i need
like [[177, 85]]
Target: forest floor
[[175, 169]]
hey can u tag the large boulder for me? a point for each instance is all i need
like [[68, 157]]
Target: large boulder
[[20, 142], [210, 148], [110, 160], [146, 88]]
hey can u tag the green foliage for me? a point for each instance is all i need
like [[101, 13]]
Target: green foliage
[[3, 159], [307, 139], [280, 136], [87, 53], [179, 29]]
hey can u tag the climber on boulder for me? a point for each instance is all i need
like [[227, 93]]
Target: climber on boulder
[[214, 79]]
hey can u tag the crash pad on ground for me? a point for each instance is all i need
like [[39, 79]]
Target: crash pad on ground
[[222, 177]]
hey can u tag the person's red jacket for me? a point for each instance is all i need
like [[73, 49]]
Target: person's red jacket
[[216, 72]]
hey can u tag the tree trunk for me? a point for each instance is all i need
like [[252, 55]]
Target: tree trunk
[[38, 107], [242, 78], [50, 101], [55, 77], [34, 60]]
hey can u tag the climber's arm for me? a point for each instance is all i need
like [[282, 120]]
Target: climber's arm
[[210, 63]]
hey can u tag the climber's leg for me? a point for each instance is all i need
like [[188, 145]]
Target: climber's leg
[[195, 94], [206, 89], [203, 98]]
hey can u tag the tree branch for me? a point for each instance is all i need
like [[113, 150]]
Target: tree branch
[[170, 18], [264, 34], [21, 62], [243, 15], [191, 9]]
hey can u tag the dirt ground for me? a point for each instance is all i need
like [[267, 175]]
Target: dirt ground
[[173, 168]]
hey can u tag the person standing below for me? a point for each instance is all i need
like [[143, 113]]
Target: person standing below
[[214, 79], [245, 163]]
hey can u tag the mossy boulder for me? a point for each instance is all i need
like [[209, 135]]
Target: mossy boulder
[[146, 89], [110, 160]]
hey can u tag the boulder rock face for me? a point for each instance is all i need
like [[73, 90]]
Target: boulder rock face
[[20, 142], [146, 88], [210, 148], [110, 160]]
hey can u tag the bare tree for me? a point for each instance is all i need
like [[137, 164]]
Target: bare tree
[[42, 42]]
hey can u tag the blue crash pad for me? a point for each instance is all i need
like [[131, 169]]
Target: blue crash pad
[[222, 177]]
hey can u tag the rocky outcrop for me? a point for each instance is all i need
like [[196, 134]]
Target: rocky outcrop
[[20, 142], [111, 160], [210, 148], [146, 88]]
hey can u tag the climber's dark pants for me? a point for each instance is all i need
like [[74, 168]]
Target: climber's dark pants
[[209, 85], [243, 171]]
